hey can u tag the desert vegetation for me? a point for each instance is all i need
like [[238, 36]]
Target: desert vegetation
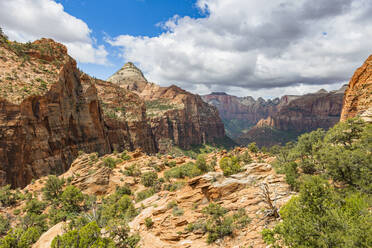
[[331, 171]]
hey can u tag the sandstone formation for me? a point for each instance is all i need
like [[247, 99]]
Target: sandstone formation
[[49, 111], [236, 192], [358, 95], [239, 114], [276, 121], [49, 115], [175, 115], [308, 112]]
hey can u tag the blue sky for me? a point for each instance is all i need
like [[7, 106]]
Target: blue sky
[[262, 48], [116, 17]]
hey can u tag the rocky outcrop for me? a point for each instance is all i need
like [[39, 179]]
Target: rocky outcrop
[[43, 133], [49, 111], [241, 191], [358, 95], [175, 115]]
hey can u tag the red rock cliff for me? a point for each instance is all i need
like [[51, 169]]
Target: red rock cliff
[[175, 115], [358, 96], [48, 113]]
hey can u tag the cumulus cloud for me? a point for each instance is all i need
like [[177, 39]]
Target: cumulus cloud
[[257, 46], [27, 20]]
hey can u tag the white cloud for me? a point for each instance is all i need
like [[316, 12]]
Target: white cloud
[[27, 20], [257, 46]]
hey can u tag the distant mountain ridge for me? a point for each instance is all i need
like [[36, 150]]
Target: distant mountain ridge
[[290, 113]]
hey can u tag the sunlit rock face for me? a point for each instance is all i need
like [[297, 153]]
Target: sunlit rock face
[[358, 95], [176, 116]]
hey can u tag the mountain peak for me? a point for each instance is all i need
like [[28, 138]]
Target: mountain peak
[[130, 77]]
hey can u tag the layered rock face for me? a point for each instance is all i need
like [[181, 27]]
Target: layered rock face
[[42, 134], [125, 118], [358, 96], [293, 113], [175, 115], [48, 113], [240, 113], [309, 112]]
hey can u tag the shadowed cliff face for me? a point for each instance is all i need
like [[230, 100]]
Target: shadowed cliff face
[[49, 111], [175, 115], [358, 96]]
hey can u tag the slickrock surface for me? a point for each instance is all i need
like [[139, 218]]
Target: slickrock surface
[[238, 191], [175, 115], [358, 96]]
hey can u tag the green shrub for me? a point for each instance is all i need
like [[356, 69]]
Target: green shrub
[[7, 196], [56, 215], [186, 170], [170, 164], [173, 186], [71, 199], [119, 232], [123, 190], [148, 179], [149, 223], [110, 162], [318, 217], [253, 147], [93, 157], [245, 158], [4, 225], [291, 174], [217, 225], [201, 163], [35, 206], [241, 218], [132, 171], [230, 165], [19, 238], [53, 188], [34, 220], [88, 236], [125, 156], [177, 211], [172, 204], [145, 194]]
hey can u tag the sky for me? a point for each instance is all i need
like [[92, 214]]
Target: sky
[[262, 48]]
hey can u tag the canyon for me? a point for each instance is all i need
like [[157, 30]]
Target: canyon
[[176, 116], [269, 122], [50, 111]]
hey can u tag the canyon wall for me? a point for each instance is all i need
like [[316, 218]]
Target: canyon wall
[[358, 95], [176, 116], [49, 111], [269, 122]]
